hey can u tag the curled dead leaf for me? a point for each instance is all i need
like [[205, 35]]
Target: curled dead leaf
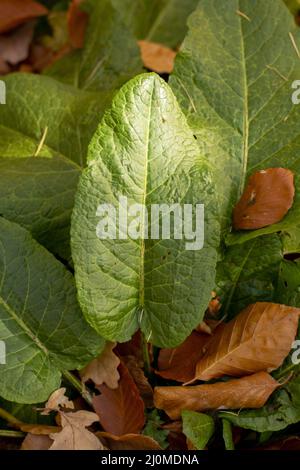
[[56, 401], [16, 12], [103, 369], [248, 392], [257, 339], [157, 57], [266, 199], [173, 363], [140, 379], [128, 442], [120, 411]]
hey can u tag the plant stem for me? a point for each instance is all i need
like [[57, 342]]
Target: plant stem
[[78, 385], [9, 417], [146, 355], [7, 433]]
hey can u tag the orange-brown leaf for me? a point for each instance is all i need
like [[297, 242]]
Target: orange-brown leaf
[[180, 363], [16, 12], [257, 339], [140, 380], [77, 23], [39, 429], [266, 199], [157, 57], [128, 442], [120, 411], [103, 369], [36, 442], [248, 392]]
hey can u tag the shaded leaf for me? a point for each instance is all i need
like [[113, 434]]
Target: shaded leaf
[[247, 392], [154, 429], [288, 443], [120, 411], [74, 435], [159, 286], [198, 428], [157, 57], [173, 364], [16, 12], [103, 369], [128, 442], [34, 442], [141, 381], [227, 434], [268, 196], [259, 338]]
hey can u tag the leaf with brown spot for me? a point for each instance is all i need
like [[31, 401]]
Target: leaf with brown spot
[[248, 392], [173, 363], [157, 57], [74, 435], [257, 339], [36, 442], [77, 23], [128, 442], [16, 12], [120, 411], [266, 199], [103, 369]]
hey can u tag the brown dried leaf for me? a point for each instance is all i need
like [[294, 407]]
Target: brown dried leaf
[[120, 411], [16, 12], [39, 429], [36, 442], [77, 23], [74, 435], [133, 347], [56, 401], [128, 442], [157, 57], [140, 380], [257, 339], [248, 392], [266, 199], [103, 369], [173, 363], [14, 48]]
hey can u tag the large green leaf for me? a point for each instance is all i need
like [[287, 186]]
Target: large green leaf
[[145, 151], [197, 427], [40, 320], [233, 79], [162, 21], [110, 55], [248, 273], [38, 193]]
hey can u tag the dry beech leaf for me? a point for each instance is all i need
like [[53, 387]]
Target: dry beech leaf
[[77, 23], [140, 380], [266, 199], [257, 339], [74, 435], [128, 442], [103, 369], [16, 12], [133, 347], [120, 411], [157, 57], [14, 48], [36, 442], [39, 429], [180, 363], [57, 400], [248, 392]]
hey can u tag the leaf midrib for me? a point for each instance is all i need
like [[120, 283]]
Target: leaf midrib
[[23, 326]]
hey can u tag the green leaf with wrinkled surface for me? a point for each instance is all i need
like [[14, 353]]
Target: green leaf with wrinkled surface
[[40, 320], [145, 151], [233, 79], [197, 427], [38, 193], [248, 273]]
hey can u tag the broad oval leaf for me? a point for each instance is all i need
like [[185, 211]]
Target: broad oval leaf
[[144, 151], [233, 78], [40, 321], [197, 427]]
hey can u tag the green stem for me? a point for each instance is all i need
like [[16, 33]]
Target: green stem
[[146, 355], [78, 385], [9, 417], [7, 433]]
